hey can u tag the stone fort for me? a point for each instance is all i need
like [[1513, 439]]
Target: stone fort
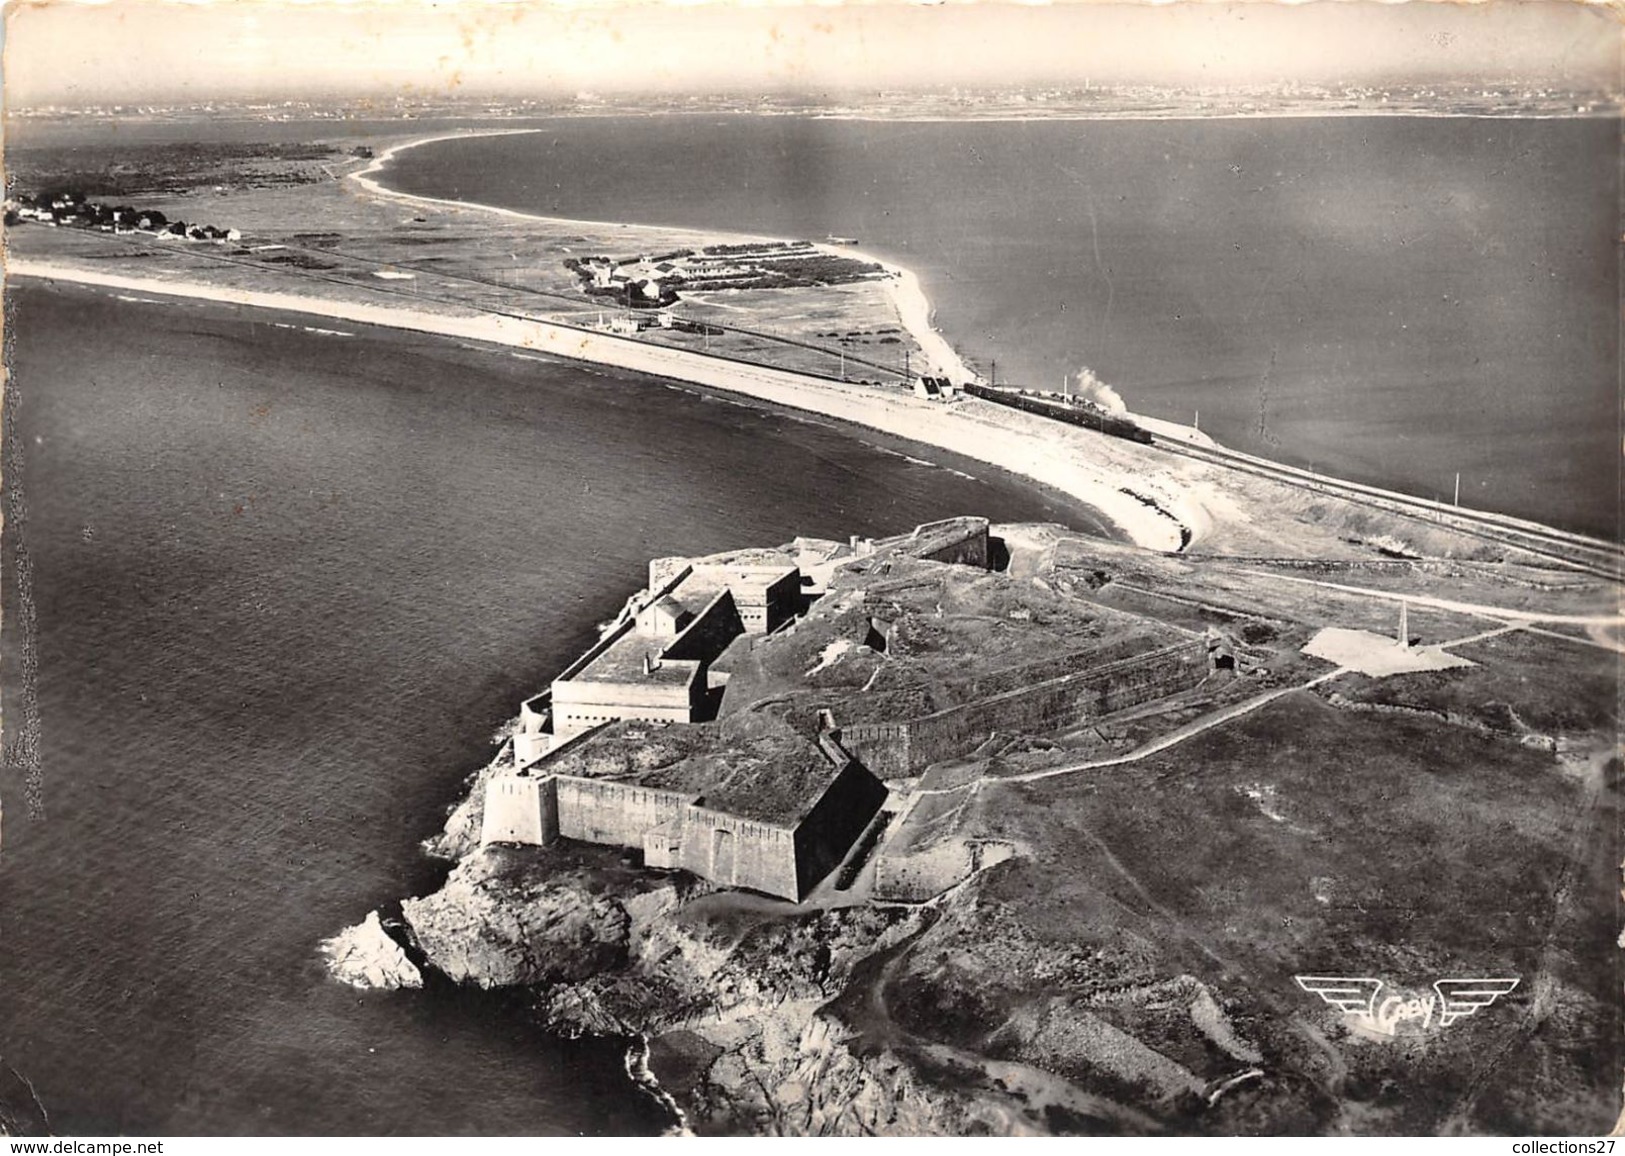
[[628, 746]]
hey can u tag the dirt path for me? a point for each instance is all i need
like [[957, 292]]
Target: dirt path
[[1035, 1088], [1587, 831], [1482, 610], [1174, 737]]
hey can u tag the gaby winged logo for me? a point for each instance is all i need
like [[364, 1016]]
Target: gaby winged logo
[[1451, 1000]]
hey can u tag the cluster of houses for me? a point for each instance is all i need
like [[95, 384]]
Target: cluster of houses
[[647, 283], [75, 210]]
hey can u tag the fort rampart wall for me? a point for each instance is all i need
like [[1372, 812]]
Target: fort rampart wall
[[737, 852], [884, 747], [605, 641], [595, 811], [580, 703], [520, 810], [709, 634], [963, 541], [767, 608], [898, 750], [1028, 674], [828, 831]]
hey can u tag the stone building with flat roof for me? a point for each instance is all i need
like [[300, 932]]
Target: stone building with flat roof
[[654, 664], [766, 810]]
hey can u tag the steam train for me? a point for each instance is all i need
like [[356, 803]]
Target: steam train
[[1074, 411]]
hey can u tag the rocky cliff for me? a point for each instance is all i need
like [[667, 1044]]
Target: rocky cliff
[[731, 993]]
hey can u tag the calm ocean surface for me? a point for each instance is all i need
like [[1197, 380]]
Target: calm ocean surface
[[1391, 299], [286, 587]]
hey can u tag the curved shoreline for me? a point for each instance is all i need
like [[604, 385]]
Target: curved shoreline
[[901, 283], [1156, 520], [1153, 504], [1145, 513], [1161, 522]]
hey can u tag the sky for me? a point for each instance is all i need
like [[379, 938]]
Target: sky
[[72, 51]]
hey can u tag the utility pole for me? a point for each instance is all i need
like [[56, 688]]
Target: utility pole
[[1196, 422], [993, 373], [1457, 500]]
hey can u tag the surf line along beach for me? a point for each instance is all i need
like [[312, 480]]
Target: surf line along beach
[[1152, 510]]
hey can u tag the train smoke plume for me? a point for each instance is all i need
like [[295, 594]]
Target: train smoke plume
[[1087, 385]]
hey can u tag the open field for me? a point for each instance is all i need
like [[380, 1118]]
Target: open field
[[1311, 841]]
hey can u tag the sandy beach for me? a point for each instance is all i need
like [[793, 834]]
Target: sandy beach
[[902, 285], [915, 314], [1154, 498], [1150, 512], [1157, 512]]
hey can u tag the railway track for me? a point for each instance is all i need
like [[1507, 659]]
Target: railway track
[[1577, 551]]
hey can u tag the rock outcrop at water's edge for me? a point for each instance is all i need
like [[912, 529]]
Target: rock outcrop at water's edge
[[461, 834], [495, 926], [726, 995], [366, 956]]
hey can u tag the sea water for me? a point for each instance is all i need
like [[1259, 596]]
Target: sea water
[[286, 577], [1393, 300]]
